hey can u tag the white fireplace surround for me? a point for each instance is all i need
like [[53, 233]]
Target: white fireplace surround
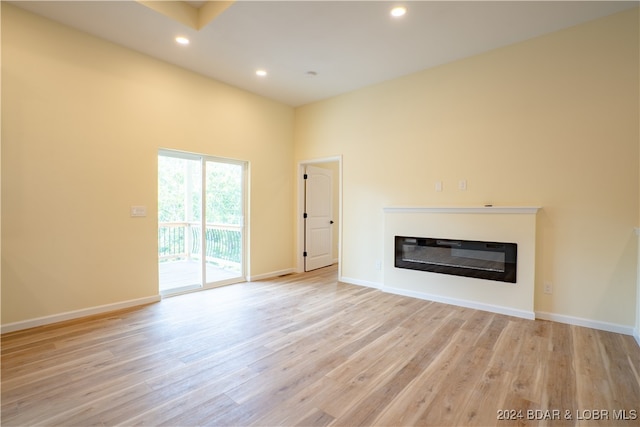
[[487, 209], [512, 224]]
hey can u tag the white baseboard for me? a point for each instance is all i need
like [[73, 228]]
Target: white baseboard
[[452, 301], [69, 315], [462, 303], [359, 282], [587, 323], [270, 275]]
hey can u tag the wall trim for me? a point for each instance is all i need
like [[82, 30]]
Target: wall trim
[[587, 323], [570, 320], [270, 275], [462, 303], [75, 314], [636, 333], [464, 209], [366, 283]]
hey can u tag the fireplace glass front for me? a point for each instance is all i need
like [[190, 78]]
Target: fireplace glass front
[[470, 258]]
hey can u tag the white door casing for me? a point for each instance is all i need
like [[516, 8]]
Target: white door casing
[[318, 218]]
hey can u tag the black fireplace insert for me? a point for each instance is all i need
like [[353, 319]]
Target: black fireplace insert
[[469, 258]]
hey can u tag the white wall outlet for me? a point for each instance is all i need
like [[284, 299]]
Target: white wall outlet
[[438, 185], [378, 265], [548, 288], [138, 211], [462, 184]]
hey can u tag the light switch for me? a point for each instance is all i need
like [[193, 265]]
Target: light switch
[[138, 211]]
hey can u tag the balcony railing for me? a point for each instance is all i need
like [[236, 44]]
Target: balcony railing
[[182, 240]]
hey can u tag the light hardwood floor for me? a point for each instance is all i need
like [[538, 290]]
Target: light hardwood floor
[[307, 350]]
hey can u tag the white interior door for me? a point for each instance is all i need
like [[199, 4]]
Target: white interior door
[[318, 221]]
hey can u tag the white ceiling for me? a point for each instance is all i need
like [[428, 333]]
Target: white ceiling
[[349, 44]]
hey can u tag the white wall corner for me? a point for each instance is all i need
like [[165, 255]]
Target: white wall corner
[[637, 328], [359, 282]]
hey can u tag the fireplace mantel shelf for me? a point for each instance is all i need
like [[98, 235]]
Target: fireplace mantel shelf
[[464, 209]]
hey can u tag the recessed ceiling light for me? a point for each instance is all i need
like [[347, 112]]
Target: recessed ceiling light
[[398, 11], [182, 40], [261, 73]]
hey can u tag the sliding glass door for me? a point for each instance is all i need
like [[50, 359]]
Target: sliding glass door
[[179, 218], [224, 220], [201, 204]]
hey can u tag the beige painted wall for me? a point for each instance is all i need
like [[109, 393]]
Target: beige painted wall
[[83, 120], [552, 121]]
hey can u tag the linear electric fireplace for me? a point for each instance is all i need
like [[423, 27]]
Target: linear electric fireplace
[[470, 258]]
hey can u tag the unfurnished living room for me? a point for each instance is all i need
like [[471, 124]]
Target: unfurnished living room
[[279, 213]]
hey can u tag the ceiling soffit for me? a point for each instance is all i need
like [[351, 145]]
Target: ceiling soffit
[[194, 16]]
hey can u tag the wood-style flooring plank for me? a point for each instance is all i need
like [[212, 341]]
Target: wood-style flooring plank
[[307, 350]]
